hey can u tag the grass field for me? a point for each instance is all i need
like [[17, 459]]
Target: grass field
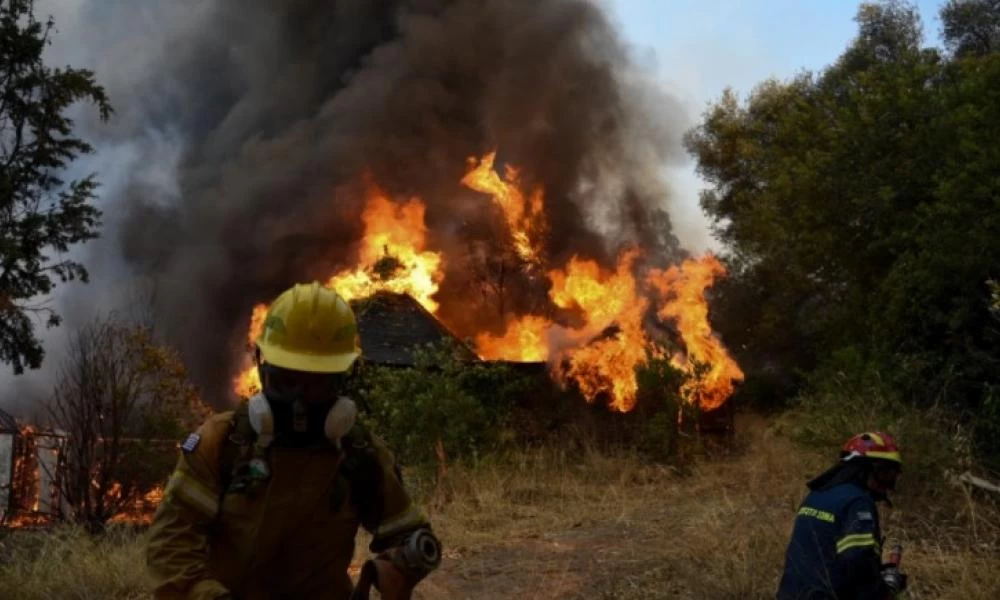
[[554, 523]]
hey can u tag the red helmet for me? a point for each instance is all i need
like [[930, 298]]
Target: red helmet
[[871, 444]]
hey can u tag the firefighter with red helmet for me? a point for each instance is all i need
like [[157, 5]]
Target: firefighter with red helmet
[[835, 552]]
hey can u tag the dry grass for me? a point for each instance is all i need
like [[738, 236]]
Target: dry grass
[[67, 563], [548, 526], [552, 524]]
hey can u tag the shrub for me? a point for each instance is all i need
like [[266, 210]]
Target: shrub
[[659, 393], [856, 398], [462, 406]]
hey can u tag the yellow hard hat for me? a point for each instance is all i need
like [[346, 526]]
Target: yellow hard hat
[[309, 328]]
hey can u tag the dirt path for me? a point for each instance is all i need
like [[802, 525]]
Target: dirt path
[[589, 560]]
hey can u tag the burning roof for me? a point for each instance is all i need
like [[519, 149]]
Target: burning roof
[[589, 322], [392, 325]]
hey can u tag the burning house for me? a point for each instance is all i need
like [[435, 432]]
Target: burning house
[[29, 470], [593, 325], [498, 165]]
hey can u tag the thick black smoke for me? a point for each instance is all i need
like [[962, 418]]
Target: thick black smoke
[[283, 106]]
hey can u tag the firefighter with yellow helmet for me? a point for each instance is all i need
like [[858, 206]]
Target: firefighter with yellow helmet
[[266, 500]]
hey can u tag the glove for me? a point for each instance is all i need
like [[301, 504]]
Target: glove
[[893, 579], [391, 581], [384, 576]]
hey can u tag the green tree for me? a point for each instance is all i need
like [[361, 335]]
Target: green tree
[[971, 26], [810, 180], [40, 215], [859, 209]]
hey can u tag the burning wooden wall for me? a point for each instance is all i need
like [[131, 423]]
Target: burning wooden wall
[[30, 469]]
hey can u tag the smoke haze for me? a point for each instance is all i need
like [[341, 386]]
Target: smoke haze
[[235, 163]]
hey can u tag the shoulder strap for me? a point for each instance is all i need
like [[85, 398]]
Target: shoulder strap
[[363, 471], [240, 435]]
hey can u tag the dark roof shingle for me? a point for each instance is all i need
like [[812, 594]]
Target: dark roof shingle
[[392, 325]]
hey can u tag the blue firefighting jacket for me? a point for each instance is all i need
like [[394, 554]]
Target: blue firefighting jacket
[[836, 548]]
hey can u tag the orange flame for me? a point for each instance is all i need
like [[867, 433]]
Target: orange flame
[[525, 340], [603, 298], [524, 216], [247, 383], [711, 369], [603, 340], [608, 364], [142, 511], [393, 258], [393, 255], [26, 488], [256, 323]]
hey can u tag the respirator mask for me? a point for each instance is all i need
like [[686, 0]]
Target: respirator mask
[[301, 409]]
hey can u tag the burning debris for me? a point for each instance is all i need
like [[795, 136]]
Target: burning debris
[[31, 472]]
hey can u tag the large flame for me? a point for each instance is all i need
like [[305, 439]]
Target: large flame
[[525, 217], [606, 365], [392, 257], [598, 340], [603, 299], [711, 369], [524, 340], [392, 254]]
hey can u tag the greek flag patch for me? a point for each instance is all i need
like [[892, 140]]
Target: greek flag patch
[[191, 442]]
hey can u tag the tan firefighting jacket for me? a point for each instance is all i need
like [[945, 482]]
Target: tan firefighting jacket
[[291, 538]]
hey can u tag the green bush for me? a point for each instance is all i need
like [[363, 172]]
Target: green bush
[[986, 429], [464, 406], [659, 392], [857, 398]]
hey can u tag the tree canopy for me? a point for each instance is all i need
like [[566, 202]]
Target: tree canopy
[[860, 210]]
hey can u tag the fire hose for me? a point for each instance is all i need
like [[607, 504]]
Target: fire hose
[[407, 564]]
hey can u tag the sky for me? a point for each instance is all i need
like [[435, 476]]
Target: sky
[[698, 48]]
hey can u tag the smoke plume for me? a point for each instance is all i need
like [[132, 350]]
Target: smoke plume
[[251, 127]]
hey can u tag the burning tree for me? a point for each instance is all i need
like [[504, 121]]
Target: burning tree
[[119, 395]]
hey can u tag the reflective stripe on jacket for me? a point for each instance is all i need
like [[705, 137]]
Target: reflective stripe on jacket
[[835, 550]]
